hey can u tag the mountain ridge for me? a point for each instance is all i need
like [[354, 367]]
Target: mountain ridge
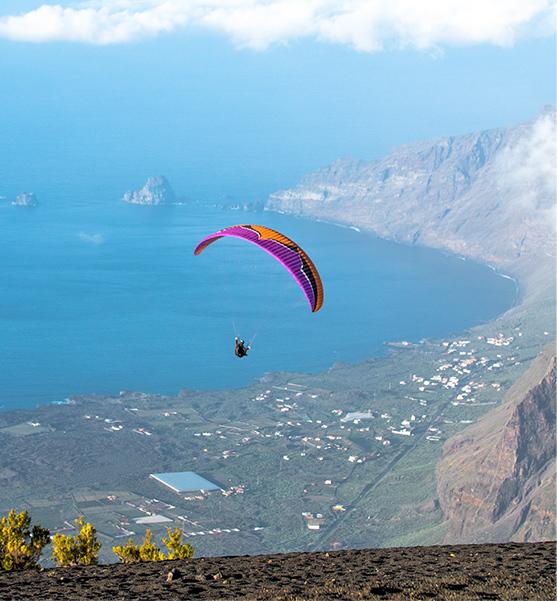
[[488, 195]]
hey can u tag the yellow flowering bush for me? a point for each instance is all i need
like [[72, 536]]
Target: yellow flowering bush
[[81, 549], [20, 545]]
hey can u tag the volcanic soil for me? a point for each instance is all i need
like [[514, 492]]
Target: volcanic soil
[[524, 571]]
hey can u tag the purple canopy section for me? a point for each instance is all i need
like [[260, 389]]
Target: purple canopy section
[[283, 250]]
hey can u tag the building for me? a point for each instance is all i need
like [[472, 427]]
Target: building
[[182, 482]]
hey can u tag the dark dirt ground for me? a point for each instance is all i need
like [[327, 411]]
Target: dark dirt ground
[[524, 572]]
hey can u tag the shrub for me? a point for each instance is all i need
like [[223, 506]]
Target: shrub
[[129, 553], [81, 549], [148, 551], [20, 546], [176, 548], [132, 553]]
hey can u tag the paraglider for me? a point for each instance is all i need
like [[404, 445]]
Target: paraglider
[[283, 250], [240, 348]]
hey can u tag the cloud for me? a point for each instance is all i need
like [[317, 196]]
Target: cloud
[[536, 157], [102, 25], [526, 169], [91, 238], [365, 25]]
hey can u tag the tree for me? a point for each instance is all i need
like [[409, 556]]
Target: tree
[[81, 549], [21, 546]]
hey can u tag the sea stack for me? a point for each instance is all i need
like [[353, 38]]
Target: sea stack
[[156, 191], [26, 199]]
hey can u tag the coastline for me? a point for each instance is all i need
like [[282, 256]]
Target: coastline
[[447, 252], [375, 383], [519, 286], [377, 348]]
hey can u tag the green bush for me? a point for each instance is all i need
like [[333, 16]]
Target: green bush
[[176, 548], [132, 553], [21, 546], [129, 553], [81, 549], [148, 551]]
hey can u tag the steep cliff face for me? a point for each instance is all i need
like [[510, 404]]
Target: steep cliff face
[[496, 479], [488, 195]]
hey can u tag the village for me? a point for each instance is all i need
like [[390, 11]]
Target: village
[[286, 455]]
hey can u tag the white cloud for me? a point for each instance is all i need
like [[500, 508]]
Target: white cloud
[[366, 25], [527, 169], [91, 238], [535, 158], [102, 25]]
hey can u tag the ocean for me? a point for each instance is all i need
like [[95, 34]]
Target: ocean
[[98, 296]]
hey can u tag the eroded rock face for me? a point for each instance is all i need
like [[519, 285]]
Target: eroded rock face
[[27, 199], [156, 191], [496, 479], [487, 195]]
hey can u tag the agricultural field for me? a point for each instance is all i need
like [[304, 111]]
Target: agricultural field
[[344, 458]]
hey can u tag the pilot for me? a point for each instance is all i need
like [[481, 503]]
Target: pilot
[[240, 350]]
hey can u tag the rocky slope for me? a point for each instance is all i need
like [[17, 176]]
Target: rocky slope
[[496, 479], [457, 573], [156, 191], [487, 195]]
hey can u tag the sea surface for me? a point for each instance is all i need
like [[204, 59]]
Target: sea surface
[[98, 296]]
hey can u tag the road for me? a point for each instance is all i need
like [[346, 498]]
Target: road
[[327, 533]]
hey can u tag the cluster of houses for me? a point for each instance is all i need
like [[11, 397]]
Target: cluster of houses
[[463, 363], [306, 435], [500, 340]]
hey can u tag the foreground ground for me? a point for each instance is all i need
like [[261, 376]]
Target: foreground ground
[[498, 572]]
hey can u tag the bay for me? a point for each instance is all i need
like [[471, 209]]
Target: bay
[[97, 297]]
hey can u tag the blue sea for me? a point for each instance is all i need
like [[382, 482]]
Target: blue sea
[[98, 296]]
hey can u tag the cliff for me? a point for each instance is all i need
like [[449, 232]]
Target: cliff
[[487, 195], [156, 191], [496, 479]]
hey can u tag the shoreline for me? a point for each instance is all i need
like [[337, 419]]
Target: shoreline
[[444, 251], [519, 286], [383, 349]]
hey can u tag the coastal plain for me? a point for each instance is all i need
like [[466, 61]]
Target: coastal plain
[[340, 459]]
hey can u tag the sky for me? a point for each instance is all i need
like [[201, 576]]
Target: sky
[[239, 98]]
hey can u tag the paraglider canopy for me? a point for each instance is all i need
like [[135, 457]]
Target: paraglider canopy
[[281, 248]]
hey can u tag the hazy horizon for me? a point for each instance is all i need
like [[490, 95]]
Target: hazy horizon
[[221, 118]]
